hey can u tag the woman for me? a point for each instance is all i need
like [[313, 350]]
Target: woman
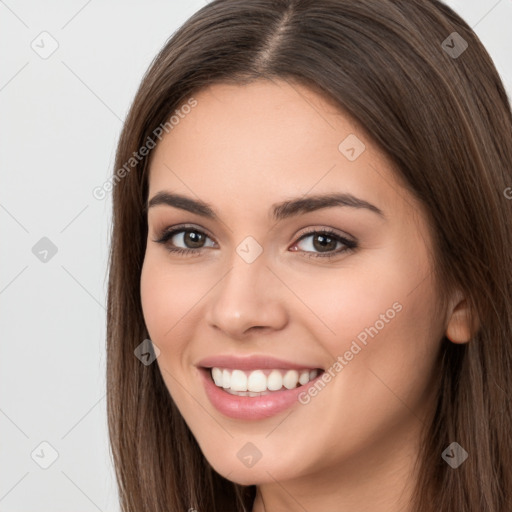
[[310, 276]]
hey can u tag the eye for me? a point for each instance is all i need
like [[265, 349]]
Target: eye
[[325, 242], [193, 240]]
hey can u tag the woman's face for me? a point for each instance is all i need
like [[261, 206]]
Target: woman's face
[[345, 287]]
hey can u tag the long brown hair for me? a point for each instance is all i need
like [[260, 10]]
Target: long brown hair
[[444, 119]]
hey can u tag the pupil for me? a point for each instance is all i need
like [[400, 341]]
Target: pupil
[[323, 244], [194, 237]]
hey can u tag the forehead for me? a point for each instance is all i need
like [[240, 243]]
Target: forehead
[[269, 140]]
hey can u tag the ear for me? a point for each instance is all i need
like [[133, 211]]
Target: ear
[[461, 327]]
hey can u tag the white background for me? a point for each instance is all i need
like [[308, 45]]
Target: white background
[[60, 120]]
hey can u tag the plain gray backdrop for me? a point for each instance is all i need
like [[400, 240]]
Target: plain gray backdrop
[[69, 72]]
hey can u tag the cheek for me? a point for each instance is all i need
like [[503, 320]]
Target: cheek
[[344, 302], [371, 289], [166, 297], [154, 297], [380, 313]]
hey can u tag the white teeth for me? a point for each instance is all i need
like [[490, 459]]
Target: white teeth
[[290, 379], [304, 377], [274, 380], [258, 382], [217, 376], [247, 393], [226, 379], [238, 381]]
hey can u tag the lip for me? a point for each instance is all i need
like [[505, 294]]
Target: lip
[[255, 362], [252, 408]]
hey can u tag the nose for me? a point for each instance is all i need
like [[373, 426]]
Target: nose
[[249, 299]]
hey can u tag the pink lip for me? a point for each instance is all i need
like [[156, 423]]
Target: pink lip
[[257, 362], [251, 408]]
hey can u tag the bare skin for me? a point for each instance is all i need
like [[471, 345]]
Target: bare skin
[[353, 446]]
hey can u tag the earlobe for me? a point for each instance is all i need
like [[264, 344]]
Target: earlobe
[[461, 326]]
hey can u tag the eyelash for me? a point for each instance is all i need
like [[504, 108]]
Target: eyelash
[[166, 235]]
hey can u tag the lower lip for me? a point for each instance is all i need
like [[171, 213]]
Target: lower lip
[[251, 408]]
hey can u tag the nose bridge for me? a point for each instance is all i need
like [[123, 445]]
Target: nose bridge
[[248, 295]]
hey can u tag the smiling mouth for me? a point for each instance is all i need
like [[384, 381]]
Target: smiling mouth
[[261, 382]]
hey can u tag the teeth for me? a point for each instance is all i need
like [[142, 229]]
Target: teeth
[[274, 380], [247, 393], [304, 378], [260, 382], [238, 381], [257, 381], [290, 379], [226, 379], [217, 377]]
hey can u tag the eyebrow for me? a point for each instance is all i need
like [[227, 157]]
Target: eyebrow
[[280, 211]]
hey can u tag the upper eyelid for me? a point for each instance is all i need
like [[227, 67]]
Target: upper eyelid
[[176, 229], [331, 231], [173, 230]]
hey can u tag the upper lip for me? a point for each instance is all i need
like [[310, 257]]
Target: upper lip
[[254, 362]]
